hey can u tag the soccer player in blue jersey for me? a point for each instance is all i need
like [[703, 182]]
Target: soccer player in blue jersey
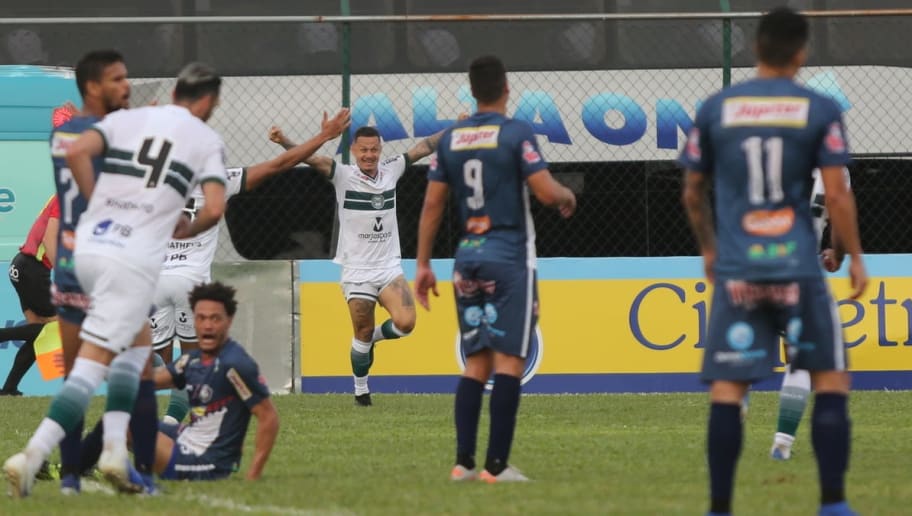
[[758, 142], [225, 389], [489, 162], [101, 77]]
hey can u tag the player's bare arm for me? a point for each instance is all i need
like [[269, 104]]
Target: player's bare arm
[[322, 164], [267, 430], [49, 239], [79, 160], [551, 193], [840, 203], [330, 129], [696, 202], [209, 214], [435, 198], [428, 146], [162, 378]]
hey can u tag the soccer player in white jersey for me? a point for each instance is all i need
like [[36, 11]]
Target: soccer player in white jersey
[[188, 261], [796, 383], [154, 157], [368, 247]]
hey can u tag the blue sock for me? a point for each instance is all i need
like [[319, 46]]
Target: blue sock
[[831, 435], [70, 450], [723, 448], [144, 426], [467, 411], [91, 448], [504, 404]]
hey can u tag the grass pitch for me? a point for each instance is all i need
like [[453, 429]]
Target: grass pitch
[[587, 454]]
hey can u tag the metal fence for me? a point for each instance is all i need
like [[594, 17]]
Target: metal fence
[[610, 95]]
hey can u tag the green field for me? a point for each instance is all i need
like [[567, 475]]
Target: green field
[[587, 454]]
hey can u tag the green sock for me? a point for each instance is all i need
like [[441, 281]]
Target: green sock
[[792, 401], [179, 404], [69, 406], [361, 362], [123, 384]]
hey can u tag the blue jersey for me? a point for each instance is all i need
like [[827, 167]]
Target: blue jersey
[[760, 141], [72, 203], [485, 160], [222, 391]]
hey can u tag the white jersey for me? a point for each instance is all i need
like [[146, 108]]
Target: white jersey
[[368, 229], [154, 157], [192, 257], [818, 203]]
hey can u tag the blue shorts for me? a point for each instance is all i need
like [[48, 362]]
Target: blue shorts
[[496, 306], [68, 297], [747, 320], [186, 466]]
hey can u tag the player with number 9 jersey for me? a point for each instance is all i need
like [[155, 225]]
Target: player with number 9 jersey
[[759, 141]]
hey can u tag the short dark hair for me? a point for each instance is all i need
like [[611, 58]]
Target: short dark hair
[[91, 67], [215, 291], [488, 78], [195, 81], [781, 34], [367, 132]]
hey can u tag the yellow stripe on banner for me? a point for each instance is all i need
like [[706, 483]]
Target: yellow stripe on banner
[[599, 326], [49, 352]]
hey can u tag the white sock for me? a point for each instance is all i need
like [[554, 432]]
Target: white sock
[[378, 333], [361, 385], [115, 428], [782, 439], [361, 346], [796, 378], [47, 436]]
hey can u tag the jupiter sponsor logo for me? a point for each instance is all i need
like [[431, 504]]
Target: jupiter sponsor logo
[[765, 111], [468, 138]]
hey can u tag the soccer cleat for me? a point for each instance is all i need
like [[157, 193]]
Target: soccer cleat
[[781, 452], [148, 483], [17, 474], [836, 509], [510, 474], [48, 471], [363, 400], [114, 464], [70, 485], [461, 473]]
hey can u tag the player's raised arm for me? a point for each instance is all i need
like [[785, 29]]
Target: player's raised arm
[[428, 146], [79, 160], [695, 198], [267, 430], [840, 203], [551, 193], [330, 129], [322, 164]]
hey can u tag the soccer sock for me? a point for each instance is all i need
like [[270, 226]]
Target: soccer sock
[[503, 407], [144, 426], [67, 408], [723, 448], [467, 411], [831, 435], [71, 450], [91, 448], [178, 405], [796, 388], [123, 384], [361, 358], [25, 357], [388, 330]]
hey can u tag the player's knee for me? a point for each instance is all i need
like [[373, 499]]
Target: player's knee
[[405, 323], [365, 334]]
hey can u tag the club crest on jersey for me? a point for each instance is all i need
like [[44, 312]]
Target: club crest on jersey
[[468, 138], [765, 111], [769, 223], [693, 144], [834, 141], [377, 201], [529, 154]]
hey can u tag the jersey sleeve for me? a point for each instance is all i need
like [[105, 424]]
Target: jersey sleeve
[[214, 164], [530, 157], [697, 153], [237, 177], [106, 126], [245, 378], [178, 370], [396, 165], [834, 149], [437, 169], [54, 207]]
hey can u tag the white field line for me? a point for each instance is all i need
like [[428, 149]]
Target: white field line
[[231, 505]]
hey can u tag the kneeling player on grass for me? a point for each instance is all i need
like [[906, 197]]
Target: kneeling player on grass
[[225, 388]]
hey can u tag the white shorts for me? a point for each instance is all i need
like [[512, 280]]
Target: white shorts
[[367, 283], [120, 298], [173, 316]]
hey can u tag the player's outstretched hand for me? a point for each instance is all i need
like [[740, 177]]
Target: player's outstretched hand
[[858, 276], [424, 281], [333, 127], [277, 136], [182, 229], [831, 262], [568, 207]]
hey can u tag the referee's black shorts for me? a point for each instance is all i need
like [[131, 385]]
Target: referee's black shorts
[[32, 281]]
